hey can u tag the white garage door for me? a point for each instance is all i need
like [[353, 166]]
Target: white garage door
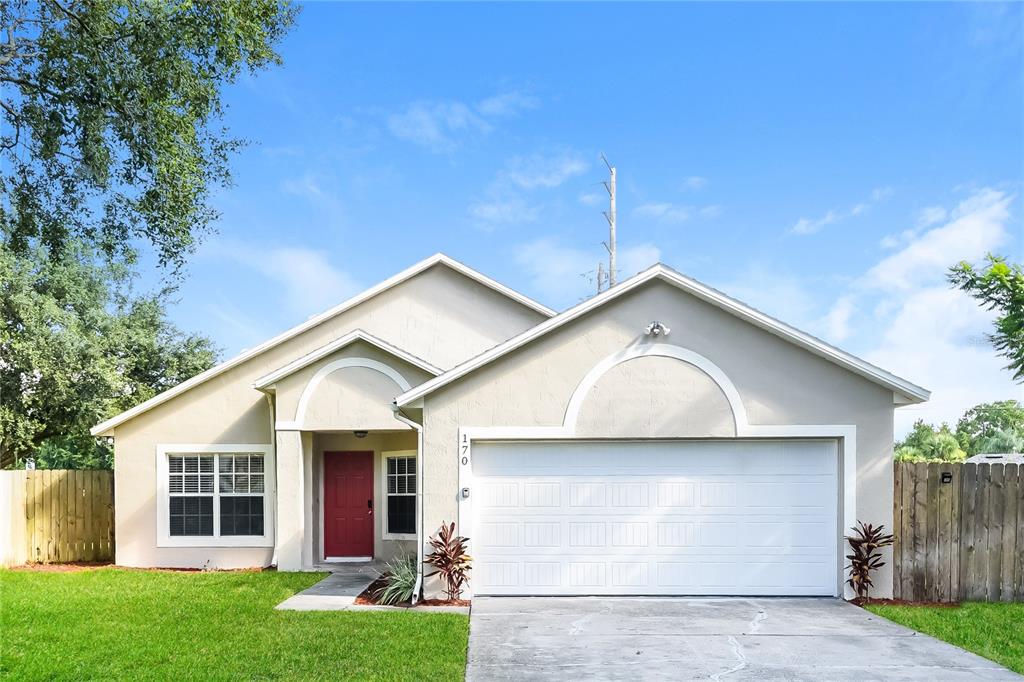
[[737, 518]]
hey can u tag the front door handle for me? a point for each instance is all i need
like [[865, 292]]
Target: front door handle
[[369, 505]]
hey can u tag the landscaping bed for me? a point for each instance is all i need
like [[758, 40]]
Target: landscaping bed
[[367, 598], [117, 624], [992, 630]]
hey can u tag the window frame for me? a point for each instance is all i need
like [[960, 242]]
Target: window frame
[[163, 495], [385, 455]]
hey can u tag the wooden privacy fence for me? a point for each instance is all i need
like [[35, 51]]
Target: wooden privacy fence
[[56, 515], [959, 532]]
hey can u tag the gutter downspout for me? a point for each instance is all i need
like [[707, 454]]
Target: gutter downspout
[[273, 443], [419, 498]]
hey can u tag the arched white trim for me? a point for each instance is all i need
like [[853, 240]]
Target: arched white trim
[[664, 350], [327, 370]]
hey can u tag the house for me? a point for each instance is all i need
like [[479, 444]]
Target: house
[[658, 438]]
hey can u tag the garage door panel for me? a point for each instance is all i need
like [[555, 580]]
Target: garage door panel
[[554, 526]]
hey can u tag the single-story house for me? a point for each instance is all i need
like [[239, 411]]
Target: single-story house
[[658, 438]]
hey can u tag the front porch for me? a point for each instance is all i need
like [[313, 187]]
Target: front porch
[[345, 498]]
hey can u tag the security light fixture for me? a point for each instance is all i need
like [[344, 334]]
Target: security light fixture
[[360, 434], [656, 329]]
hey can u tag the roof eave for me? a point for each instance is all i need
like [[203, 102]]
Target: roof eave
[[900, 387]]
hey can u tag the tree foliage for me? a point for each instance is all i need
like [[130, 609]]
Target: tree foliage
[[998, 286], [927, 443], [992, 427], [77, 346], [110, 113]]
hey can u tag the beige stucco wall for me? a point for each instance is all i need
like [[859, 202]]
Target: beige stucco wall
[[435, 315], [347, 398], [658, 397], [778, 383]]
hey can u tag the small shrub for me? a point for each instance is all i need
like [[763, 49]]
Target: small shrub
[[399, 581], [450, 559], [865, 558]]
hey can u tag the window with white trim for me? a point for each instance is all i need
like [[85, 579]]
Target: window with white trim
[[401, 495], [216, 494]]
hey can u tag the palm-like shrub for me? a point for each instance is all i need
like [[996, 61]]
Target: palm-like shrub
[[399, 581], [450, 559], [865, 557]]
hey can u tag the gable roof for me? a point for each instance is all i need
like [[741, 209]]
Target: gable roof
[[268, 380], [905, 391], [408, 273]]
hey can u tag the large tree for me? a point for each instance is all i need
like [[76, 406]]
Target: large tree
[[991, 427], [998, 286], [76, 346], [111, 115]]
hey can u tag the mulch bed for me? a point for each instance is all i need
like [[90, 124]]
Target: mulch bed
[[366, 598], [904, 602]]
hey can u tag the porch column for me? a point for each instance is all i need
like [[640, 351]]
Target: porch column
[[291, 516]]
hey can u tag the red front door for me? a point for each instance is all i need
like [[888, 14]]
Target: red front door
[[348, 504]]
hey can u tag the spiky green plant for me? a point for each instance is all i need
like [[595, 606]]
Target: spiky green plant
[[399, 581]]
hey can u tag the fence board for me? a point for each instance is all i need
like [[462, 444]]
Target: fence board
[[62, 516], [907, 588], [960, 540], [994, 531], [956, 493], [1010, 536]]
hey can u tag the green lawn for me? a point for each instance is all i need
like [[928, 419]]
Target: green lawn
[[122, 624], [995, 631]]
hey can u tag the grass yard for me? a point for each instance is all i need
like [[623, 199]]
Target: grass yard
[[995, 631], [121, 624]]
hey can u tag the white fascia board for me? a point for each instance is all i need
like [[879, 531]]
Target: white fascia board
[[339, 343], [904, 391], [439, 258]]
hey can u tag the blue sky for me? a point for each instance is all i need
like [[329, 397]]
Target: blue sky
[[822, 162]]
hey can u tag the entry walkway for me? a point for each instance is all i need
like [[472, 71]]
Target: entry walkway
[[336, 592]]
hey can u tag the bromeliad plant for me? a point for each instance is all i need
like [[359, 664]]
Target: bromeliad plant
[[450, 559], [865, 557], [399, 580]]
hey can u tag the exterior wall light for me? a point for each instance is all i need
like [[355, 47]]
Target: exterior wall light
[[656, 329], [360, 434]]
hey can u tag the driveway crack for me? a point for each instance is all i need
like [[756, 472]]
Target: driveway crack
[[737, 650]]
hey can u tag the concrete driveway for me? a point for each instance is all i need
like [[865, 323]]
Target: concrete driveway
[[588, 638]]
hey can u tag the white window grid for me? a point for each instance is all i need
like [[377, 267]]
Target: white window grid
[[238, 475], [401, 473]]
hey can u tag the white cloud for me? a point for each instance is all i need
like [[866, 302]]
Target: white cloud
[[664, 211], [308, 282], [440, 125], [922, 329], [507, 103], [436, 125], [977, 227], [564, 275], [694, 183], [931, 215], [489, 214], [506, 198], [712, 211], [593, 198], [806, 226], [538, 170], [837, 322]]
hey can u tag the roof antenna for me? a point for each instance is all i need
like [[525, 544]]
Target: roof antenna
[[610, 217]]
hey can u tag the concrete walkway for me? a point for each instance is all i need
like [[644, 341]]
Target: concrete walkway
[[336, 592], [640, 638]]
